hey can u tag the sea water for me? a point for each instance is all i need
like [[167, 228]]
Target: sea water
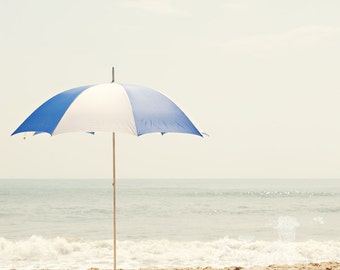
[[163, 223]]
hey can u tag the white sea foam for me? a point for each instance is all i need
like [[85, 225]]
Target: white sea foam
[[286, 228], [74, 254], [319, 220]]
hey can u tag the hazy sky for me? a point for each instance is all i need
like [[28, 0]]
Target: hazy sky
[[261, 77]]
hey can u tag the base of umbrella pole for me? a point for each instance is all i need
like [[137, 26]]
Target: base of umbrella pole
[[114, 202]]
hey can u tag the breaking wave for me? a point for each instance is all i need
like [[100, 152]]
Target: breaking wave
[[57, 253]]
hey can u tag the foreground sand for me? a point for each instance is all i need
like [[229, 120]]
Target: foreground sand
[[310, 266]]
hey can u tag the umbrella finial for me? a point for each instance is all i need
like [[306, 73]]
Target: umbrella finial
[[113, 74]]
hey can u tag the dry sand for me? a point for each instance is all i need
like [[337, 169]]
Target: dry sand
[[310, 266]]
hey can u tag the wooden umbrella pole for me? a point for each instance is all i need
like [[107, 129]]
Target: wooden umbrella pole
[[114, 192], [114, 202]]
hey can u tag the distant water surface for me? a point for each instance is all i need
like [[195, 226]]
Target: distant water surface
[[177, 211]]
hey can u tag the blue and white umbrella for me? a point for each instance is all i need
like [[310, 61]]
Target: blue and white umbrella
[[111, 107]]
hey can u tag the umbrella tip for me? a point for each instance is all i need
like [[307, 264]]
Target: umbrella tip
[[113, 74]]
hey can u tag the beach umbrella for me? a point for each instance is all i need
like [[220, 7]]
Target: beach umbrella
[[110, 107]]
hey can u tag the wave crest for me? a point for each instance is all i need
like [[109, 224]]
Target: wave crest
[[38, 252]]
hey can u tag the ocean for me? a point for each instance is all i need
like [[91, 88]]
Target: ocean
[[162, 223]]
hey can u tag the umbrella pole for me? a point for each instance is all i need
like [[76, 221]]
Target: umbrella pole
[[114, 201], [114, 191]]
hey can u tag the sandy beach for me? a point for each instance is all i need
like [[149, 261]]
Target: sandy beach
[[310, 266]]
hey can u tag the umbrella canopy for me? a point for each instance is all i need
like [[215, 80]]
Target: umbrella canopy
[[111, 107]]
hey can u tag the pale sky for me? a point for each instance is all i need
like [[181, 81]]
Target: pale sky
[[260, 77]]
